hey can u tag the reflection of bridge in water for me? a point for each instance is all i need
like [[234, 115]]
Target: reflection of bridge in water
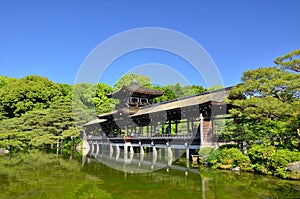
[[157, 163], [151, 152], [141, 154]]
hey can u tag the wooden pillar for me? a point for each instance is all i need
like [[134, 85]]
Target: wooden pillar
[[117, 151], [170, 156], [111, 149], [142, 150], [154, 155], [176, 126], [92, 148], [131, 148], [201, 128], [187, 153], [188, 125]]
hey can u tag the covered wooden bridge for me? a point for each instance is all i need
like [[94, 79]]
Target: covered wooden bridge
[[137, 125]]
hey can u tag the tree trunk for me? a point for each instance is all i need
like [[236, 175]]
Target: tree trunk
[[298, 132], [272, 139]]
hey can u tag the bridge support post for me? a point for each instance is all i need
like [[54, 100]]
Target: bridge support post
[[126, 147], [111, 149], [187, 156], [154, 155], [117, 151], [97, 148], [92, 147], [142, 154], [187, 153], [131, 149], [142, 149], [170, 156], [201, 129]]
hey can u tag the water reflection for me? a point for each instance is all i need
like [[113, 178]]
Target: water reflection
[[45, 175], [137, 162], [164, 178]]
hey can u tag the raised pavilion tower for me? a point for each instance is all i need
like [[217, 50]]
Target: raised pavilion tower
[[134, 96]]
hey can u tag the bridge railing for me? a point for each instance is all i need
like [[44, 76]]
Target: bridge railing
[[189, 135]]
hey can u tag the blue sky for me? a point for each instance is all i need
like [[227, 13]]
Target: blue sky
[[53, 38]]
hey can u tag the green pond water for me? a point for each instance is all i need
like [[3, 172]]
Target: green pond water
[[45, 175]]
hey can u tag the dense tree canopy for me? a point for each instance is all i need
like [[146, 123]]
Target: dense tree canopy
[[266, 102], [28, 93], [35, 111]]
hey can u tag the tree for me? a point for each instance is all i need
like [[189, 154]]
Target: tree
[[52, 125], [168, 94], [198, 89], [290, 61], [102, 102], [268, 99], [6, 80], [83, 95], [66, 90], [217, 87], [126, 79], [28, 93]]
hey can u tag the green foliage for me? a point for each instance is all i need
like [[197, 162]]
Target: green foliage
[[215, 88], [102, 102], [126, 79], [15, 141], [66, 90], [172, 92], [290, 61], [205, 152], [168, 94], [36, 112], [228, 158], [28, 93], [270, 160], [266, 102], [83, 95], [6, 80]]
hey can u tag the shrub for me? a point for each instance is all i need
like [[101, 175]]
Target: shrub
[[269, 160], [205, 152], [228, 158]]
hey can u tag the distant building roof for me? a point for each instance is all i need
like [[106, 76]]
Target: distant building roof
[[135, 89]]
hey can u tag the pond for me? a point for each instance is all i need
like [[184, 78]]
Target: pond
[[39, 174]]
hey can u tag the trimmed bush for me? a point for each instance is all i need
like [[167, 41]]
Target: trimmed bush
[[269, 160], [228, 158]]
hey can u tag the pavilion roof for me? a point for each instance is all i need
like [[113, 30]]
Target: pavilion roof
[[93, 122], [136, 88], [107, 115], [213, 97]]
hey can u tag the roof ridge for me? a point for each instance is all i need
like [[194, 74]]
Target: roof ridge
[[182, 98]]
